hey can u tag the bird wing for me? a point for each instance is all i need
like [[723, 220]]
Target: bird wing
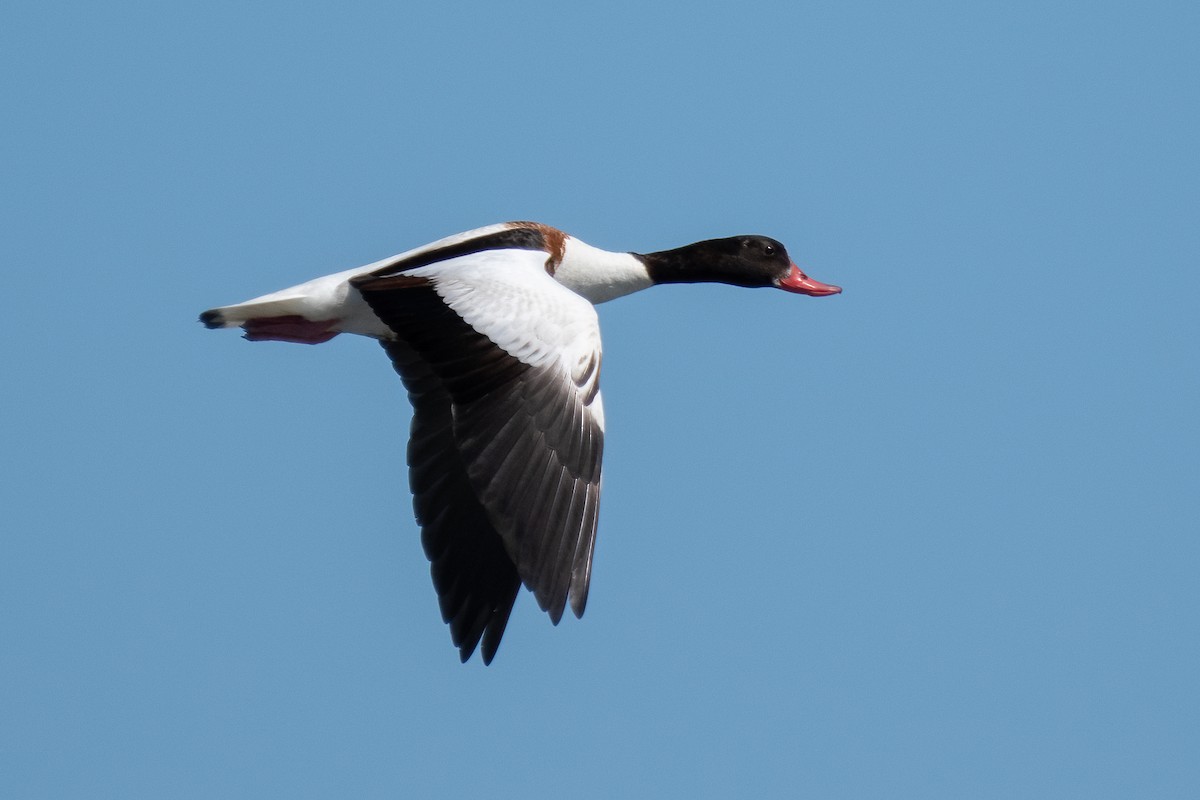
[[502, 365]]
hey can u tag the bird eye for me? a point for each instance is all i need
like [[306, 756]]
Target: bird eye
[[769, 249]]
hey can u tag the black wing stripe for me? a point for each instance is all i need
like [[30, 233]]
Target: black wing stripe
[[517, 238]]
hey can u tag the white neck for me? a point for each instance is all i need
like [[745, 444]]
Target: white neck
[[600, 275]]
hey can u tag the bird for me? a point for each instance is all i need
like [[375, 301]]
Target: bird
[[495, 337]]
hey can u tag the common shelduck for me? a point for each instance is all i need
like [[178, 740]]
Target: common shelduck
[[494, 334]]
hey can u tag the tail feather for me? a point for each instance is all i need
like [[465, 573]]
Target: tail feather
[[311, 312], [241, 313], [213, 318]]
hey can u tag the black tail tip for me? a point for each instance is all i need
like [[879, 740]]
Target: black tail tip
[[212, 319]]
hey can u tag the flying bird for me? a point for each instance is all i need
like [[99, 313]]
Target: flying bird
[[495, 336]]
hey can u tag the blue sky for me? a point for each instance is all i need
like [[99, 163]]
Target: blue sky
[[935, 537]]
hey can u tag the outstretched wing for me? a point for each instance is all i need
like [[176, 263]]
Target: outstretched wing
[[502, 364]]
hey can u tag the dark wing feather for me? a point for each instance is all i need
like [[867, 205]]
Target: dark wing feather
[[475, 580], [505, 457]]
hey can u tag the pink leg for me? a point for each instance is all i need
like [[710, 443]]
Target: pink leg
[[291, 328]]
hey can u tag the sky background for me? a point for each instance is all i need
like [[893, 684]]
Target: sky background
[[935, 537]]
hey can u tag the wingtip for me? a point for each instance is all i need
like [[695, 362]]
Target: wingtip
[[579, 604]]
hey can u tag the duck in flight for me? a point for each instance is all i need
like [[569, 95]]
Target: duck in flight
[[494, 334]]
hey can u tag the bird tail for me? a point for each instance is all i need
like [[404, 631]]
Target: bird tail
[[259, 308], [278, 317]]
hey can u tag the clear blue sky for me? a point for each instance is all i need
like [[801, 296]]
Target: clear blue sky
[[936, 537]]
